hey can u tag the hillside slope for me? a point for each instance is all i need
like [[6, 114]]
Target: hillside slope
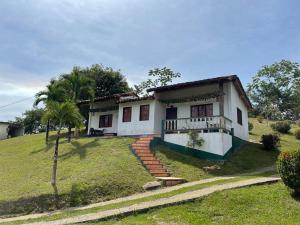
[[105, 166], [249, 158]]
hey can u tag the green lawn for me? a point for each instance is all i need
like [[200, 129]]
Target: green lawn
[[288, 141], [107, 167], [266, 204], [251, 157]]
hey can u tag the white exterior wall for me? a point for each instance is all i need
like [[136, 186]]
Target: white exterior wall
[[160, 114], [137, 127], [216, 143], [3, 131], [233, 101], [95, 117]]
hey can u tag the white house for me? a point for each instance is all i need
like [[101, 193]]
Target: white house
[[4, 134], [216, 108], [3, 130]]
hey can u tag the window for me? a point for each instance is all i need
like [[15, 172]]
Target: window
[[201, 110], [105, 121], [239, 116], [144, 112], [127, 114]]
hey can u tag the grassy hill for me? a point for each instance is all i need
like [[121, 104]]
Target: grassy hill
[[288, 141], [94, 169], [105, 168], [265, 204]]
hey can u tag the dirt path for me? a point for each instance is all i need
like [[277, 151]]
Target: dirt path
[[184, 197]]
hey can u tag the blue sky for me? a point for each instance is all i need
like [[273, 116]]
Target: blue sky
[[199, 39]]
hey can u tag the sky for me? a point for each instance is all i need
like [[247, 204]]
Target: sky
[[41, 39]]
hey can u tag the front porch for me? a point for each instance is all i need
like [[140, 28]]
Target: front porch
[[216, 131], [201, 124]]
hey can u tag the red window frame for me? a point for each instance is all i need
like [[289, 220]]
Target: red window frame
[[144, 112], [105, 121], [126, 114], [201, 110]]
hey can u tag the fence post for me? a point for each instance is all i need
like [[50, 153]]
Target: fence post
[[162, 134]]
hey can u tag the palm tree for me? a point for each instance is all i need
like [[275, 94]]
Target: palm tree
[[53, 92], [78, 86], [61, 114]]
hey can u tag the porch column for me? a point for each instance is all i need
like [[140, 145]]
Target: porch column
[[221, 98]]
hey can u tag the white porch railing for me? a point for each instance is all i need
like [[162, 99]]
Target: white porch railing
[[199, 123]]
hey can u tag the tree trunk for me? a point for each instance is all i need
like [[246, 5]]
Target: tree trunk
[[47, 132], [69, 133], [54, 166]]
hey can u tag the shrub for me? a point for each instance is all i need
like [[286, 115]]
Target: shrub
[[282, 126], [298, 123], [194, 139], [288, 165], [250, 126], [77, 195], [260, 119], [270, 141], [297, 134]]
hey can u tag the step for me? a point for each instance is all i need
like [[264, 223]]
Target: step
[[146, 139], [151, 166], [142, 151], [162, 170], [145, 158], [160, 174], [171, 181], [140, 147], [140, 144], [143, 154], [152, 162]]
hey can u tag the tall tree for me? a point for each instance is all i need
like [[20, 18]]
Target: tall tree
[[107, 80], [275, 90], [54, 92], [61, 114], [78, 86], [158, 77], [31, 120]]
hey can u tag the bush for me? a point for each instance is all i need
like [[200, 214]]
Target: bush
[[270, 141], [297, 134], [250, 126], [282, 126], [298, 123], [260, 119], [288, 165], [77, 195], [194, 139]]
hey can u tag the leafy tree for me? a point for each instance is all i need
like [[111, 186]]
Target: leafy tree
[[31, 120], [275, 90], [158, 77], [61, 114], [54, 92], [107, 80]]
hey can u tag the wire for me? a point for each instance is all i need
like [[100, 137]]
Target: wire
[[16, 102]]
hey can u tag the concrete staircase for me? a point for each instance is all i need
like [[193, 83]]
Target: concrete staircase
[[141, 149]]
